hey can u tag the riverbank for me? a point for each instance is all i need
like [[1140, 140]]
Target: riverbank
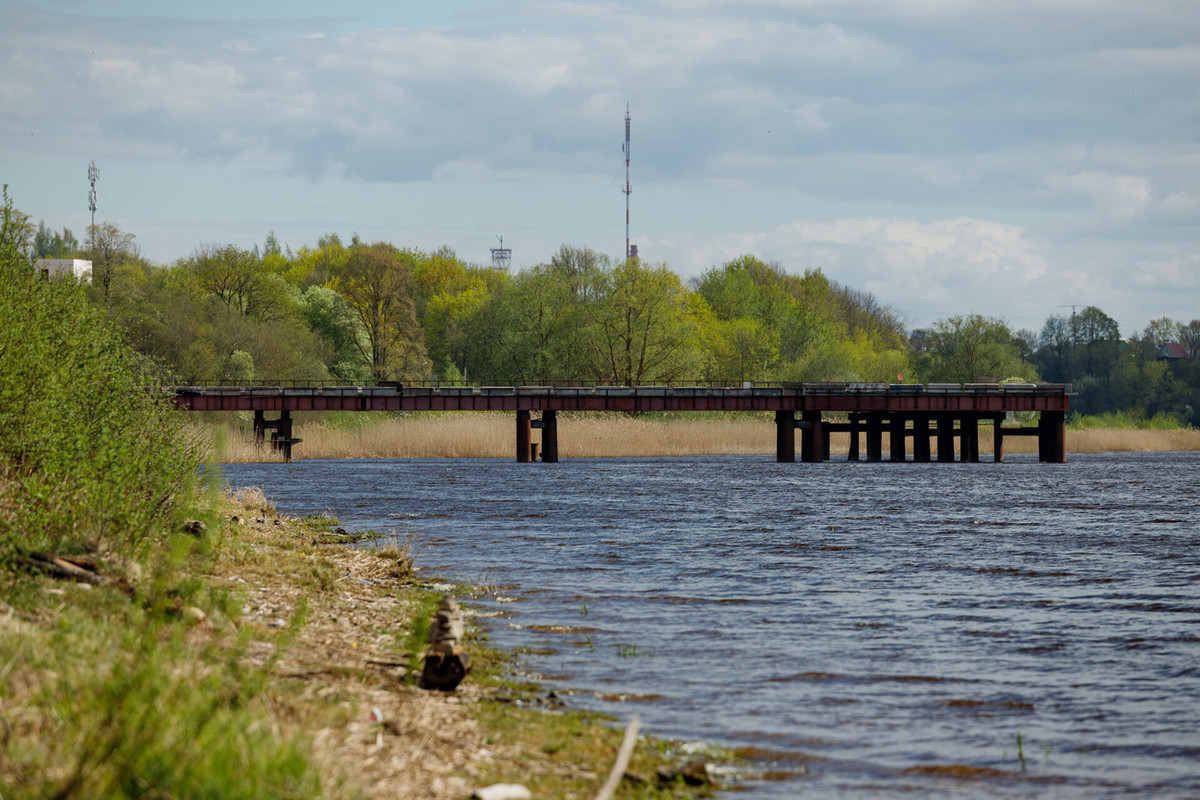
[[491, 435], [320, 641]]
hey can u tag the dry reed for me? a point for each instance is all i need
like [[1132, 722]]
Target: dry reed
[[493, 435]]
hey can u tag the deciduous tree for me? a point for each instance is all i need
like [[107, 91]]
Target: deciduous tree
[[109, 248], [967, 348], [642, 328], [377, 284]]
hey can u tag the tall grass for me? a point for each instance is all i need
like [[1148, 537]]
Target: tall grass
[[493, 435]]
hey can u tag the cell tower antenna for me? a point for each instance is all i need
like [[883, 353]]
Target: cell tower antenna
[[93, 176], [628, 188], [501, 256]]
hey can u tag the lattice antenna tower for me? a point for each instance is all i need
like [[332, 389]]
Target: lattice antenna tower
[[501, 256], [628, 188], [93, 176]]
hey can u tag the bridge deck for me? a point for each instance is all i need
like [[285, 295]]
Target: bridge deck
[[846, 397]]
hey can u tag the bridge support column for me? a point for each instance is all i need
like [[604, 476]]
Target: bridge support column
[[550, 437], [812, 438], [970, 438], [874, 437], [854, 432], [281, 432], [945, 437], [896, 433], [524, 438], [1052, 437], [785, 436], [921, 438]]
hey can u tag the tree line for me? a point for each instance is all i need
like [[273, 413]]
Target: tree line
[[362, 312]]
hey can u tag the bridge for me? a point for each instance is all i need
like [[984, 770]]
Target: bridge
[[926, 419]]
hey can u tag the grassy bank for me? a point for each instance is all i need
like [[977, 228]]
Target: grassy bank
[[491, 435], [157, 642], [279, 663]]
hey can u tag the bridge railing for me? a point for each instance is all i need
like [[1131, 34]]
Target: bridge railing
[[772, 388]]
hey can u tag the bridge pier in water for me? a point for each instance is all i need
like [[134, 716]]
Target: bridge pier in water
[[527, 449], [281, 432], [948, 429]]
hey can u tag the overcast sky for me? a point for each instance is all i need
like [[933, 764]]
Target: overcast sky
[[1013, 158]]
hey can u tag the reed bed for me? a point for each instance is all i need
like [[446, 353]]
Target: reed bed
[[492, 435]]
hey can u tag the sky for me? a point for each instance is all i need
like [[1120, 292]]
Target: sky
[[1011, 158]]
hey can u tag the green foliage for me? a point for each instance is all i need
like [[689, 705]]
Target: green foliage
[[110, 249], [332, 320], [88, 458], [965, 349], [1125, 420], [52, 244], [639, 329], [113, 698], [377, 284]]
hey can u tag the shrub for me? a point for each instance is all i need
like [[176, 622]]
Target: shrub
[[88, 459]]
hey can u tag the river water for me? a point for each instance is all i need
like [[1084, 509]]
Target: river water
[[856, 629]]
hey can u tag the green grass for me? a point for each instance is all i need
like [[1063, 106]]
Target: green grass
[[1126, 420]]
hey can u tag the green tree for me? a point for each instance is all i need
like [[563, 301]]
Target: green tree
[[109, 249], [964, 349], [52, 244], [582, 268], [1097, 341], [16, 233], [641, 327], [539, 327], [1163, 330], [1054, 346], [731, 292], [238, 280], [1092, 325], [1189, 337], [377, 284]]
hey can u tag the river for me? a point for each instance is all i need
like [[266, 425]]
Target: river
[[856, 629]]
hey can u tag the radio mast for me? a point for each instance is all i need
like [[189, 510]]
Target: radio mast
[[629, 252], [93, 176]]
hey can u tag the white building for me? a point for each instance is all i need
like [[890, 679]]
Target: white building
[[54, 267]]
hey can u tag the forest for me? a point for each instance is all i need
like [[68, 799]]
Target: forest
[[364, 312]]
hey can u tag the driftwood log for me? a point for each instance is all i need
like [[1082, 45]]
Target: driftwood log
[[81, 569], [446, 662]]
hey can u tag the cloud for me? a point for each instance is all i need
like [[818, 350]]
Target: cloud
[[1118, 198], [940, 150]]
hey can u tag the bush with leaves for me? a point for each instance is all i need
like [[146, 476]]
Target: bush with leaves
[[89, 460]]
